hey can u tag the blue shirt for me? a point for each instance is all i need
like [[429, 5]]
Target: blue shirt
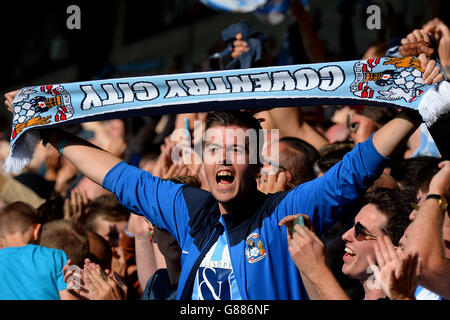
[[31, 272], [158, 287], [215, 279], [425, 294], [261, 264]]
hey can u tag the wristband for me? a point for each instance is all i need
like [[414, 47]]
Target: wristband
[[441, 200], [62, 145], [128, 233]]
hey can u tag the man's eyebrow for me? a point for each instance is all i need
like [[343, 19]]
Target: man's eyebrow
[[214, 144], [362, 226]]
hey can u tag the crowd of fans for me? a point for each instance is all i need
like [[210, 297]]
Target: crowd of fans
[[66, 234]]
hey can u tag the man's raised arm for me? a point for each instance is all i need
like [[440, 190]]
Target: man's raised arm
[[91, 160], [426, 235]]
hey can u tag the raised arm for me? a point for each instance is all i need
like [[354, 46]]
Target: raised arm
[[396, 132], [311, 42], [290, 123], [148, 257], [307, 252], [92, 161], [159, 201], [426, 235], [325, 198]]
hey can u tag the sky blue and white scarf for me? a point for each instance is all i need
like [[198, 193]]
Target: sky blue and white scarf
[[394, 82]]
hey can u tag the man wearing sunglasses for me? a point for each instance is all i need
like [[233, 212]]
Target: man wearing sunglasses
[[385, 212]]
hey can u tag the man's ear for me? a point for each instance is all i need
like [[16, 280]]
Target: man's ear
[[288, 175], [37, 228]]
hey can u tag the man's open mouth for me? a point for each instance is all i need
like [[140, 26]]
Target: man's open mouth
[[350, 252], [224, 177]]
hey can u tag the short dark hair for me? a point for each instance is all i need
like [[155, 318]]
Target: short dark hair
[[107, 207], [232, 118], [331, 154], [406, 171], [396, 206], [336, 149], [52, 209], [243, 119], [17, 217], [300, 159], [380, 115], [301, 145], [425, 174]]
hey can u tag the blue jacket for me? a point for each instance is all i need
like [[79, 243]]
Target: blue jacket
[[191, 215]]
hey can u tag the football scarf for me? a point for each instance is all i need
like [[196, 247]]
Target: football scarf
[[394, 82]]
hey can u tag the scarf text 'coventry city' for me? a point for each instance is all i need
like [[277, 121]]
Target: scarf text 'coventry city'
[[395, 82]]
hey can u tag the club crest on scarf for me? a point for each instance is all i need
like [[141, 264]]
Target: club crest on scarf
[[254, 248], [403, 82], [48, 101]]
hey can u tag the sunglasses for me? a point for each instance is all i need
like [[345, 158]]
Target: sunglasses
[[361, 234], [415, 206]]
